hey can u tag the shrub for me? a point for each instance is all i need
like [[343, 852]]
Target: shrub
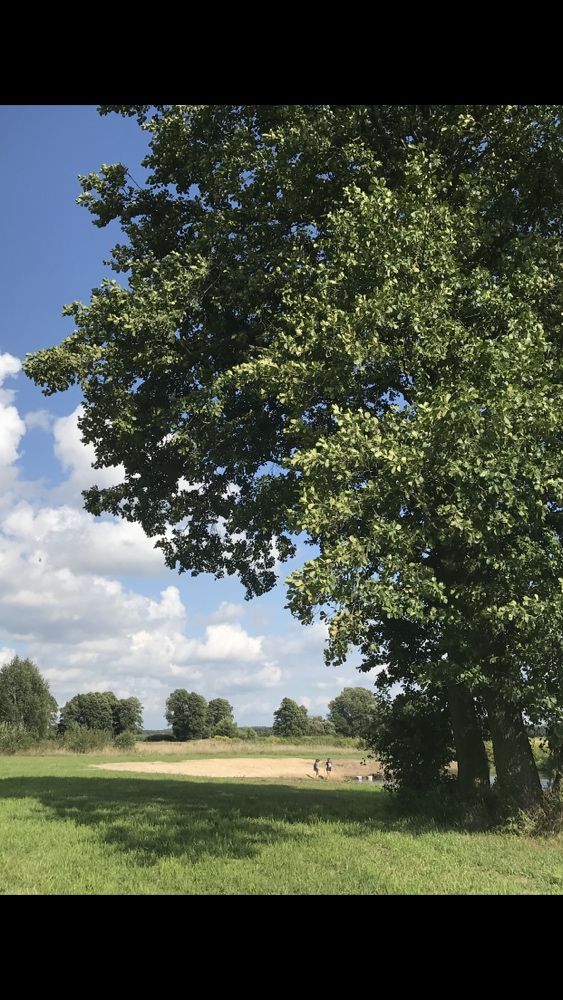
[[125, 740], [13, 738], [79, 739], [411, 736], [160, 738], [225, 727], [247, 733]]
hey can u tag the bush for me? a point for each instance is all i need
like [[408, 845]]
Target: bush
[[79, 739], [125, 740], [412, 738], [160, 738], [223, 739], [247, 733], [545, 820], [225, 727], [13, 738]]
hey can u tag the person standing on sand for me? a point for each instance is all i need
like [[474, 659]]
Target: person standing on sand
[[316, 767], [328, 767]]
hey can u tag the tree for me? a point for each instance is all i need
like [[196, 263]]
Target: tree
[[352, 711], [102, 710], [127, 716], [91, 710], [345, 321], [317, 726], [219, 710], [25, 699], [290, 719], [225, 727], [186, 712]]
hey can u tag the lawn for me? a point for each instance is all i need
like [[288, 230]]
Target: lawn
[[66, 828]]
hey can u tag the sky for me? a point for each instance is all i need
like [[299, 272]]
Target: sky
[[88, 599]]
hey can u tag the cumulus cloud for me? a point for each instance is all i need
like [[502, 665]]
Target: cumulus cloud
[[268, 676], [6, 655], [77, 458], [227, 611], [9, 366], [12, 427], [229, 642], [41, 419], [90, 632], [67, 599], [65, 536]]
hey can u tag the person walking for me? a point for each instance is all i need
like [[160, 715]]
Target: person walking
[[328, 767], [316, 767]]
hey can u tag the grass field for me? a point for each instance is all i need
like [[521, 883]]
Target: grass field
[[66, 828]]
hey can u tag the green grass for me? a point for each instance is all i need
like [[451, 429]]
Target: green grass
[[65, 828]]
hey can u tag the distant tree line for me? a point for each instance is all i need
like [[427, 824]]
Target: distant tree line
[[26, 702], [191, 717], [351, 714]]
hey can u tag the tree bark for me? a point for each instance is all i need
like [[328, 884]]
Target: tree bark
[[472, 763], [517, 775]]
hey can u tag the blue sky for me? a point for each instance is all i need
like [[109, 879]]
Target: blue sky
[[88, 599]]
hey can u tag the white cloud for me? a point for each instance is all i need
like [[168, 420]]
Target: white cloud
[[299, 640], [67, 537], [6, 655], [41, 419], [271, 675], [12, 427], [229, 642], [9, 366], [62, 603], [77, 458], [227, 612]]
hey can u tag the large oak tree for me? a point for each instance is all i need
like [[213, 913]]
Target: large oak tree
[[346, 321]]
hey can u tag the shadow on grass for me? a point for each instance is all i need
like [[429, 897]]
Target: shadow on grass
[[153, 818]]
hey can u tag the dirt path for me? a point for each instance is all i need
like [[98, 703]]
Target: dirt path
[[244, 767]]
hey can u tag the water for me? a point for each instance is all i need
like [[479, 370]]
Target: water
[[545, 782]]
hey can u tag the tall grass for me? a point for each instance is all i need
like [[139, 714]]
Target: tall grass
[[271, 746]]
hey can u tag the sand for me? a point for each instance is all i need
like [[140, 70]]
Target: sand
[[246, 767]]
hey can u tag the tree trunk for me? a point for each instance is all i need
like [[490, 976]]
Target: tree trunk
[[472, 763], [517, 775]]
